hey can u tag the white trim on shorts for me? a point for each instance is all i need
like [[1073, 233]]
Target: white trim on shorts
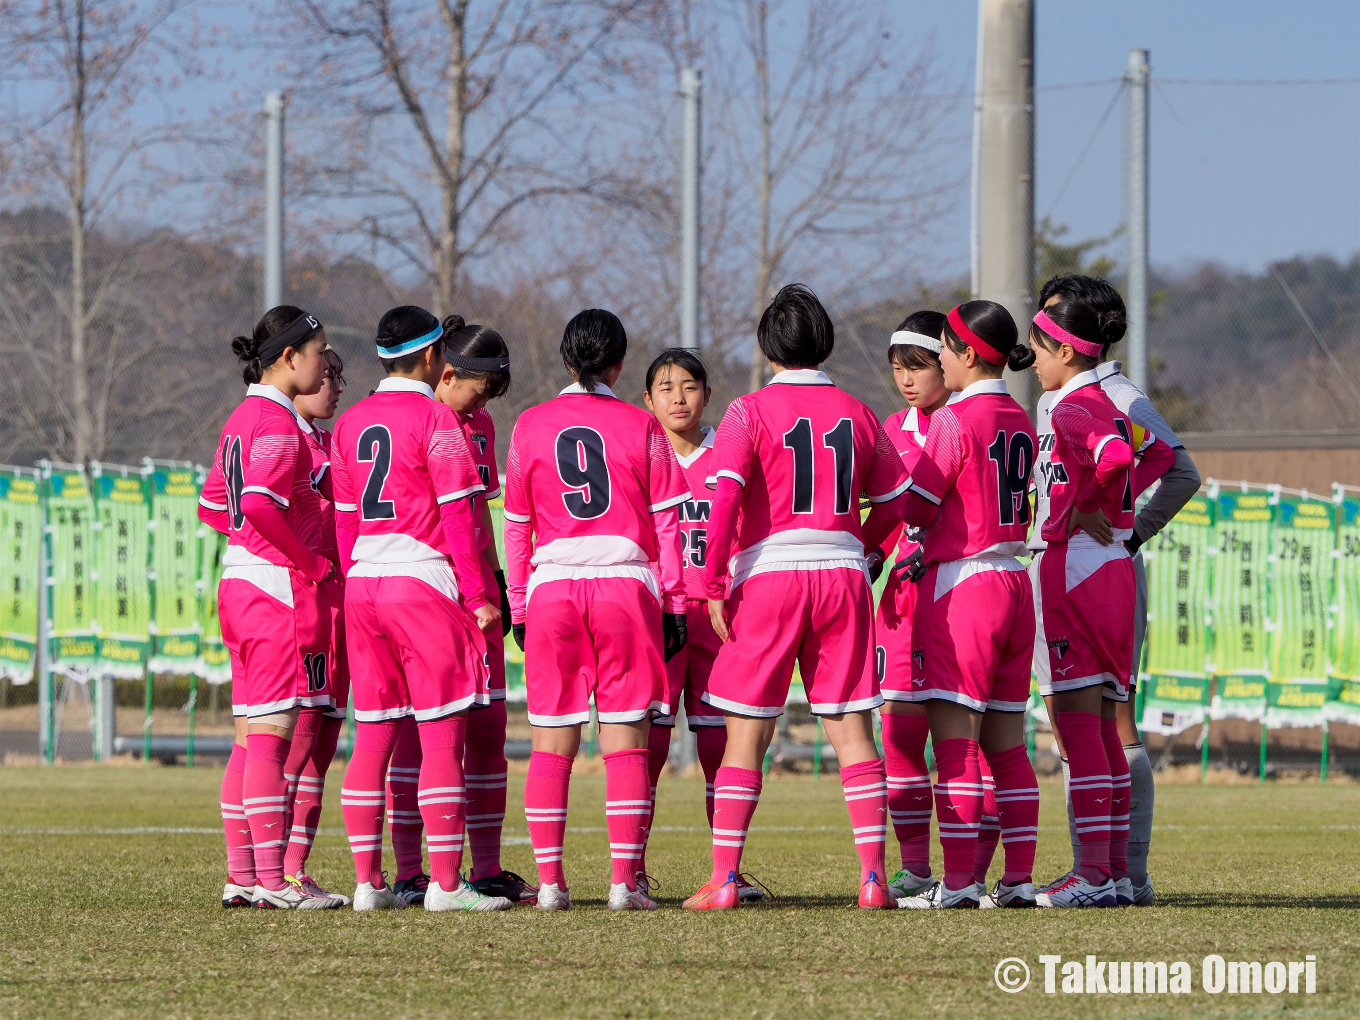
[[1006, 706], [901, 697], [862, 705], [705, 721], [451, 708], [956, 698], [574, 719], [283, 706], [382, 714], [659, 707], [737, 708]]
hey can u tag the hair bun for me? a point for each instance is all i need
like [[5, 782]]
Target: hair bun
[[246, 348], [1112, 325], [453, 324], [1019, 358]]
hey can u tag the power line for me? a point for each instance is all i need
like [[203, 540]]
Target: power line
[[1087, 148]]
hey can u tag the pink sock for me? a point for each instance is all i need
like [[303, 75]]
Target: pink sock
[[299, 753], [1017, 806], [866, 795], [265, 799], [909, 800], [627, 807], [486, 774], [443, 796], [235, 825], [958, 804], [658, 750], [362, 796], [710, 742], [736, 792], [307, 804], [1119, 798], [545, 809], [1090, 785], [989, 830], [403, 805]]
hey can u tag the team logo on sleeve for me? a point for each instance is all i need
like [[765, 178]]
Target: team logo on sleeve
[[1059, 647]]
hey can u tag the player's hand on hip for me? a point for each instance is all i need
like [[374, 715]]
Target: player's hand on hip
[[488, 618], [1094, 523], [717, 615]]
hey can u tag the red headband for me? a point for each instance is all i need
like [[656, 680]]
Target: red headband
[[985, 351], [1091, 350]]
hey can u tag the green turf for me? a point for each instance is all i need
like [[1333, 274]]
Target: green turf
[[98, 919]]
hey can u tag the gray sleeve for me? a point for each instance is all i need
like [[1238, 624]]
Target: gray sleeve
[[1180, 482]]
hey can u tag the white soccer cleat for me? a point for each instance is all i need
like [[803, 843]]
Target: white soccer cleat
[[623, 898], [368, 898], [908, 883], [1002, 895], [1143, 894], [1123, 892], [234, 895], [553, 897], [290, 897], [312, 891], [464, 897], [940, 897], [312, 886], [1075, 891]]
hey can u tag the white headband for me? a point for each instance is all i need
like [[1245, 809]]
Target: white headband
[[903, 336]]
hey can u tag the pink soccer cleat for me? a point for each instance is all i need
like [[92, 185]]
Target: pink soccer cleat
[[874, 895], [715, 895]]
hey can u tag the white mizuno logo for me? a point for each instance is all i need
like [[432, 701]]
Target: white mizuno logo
[[1064, 671], [922, 798], [1100, 800], [448, 816], [917, 683], [270, 825]]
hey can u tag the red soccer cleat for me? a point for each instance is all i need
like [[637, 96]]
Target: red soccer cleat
[[715, 895], [874, 895]]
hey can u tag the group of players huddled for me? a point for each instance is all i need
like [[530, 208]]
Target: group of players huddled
[[651, 558]]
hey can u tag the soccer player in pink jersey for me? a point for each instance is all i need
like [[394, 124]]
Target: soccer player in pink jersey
[[592, 486], [415, 605], [971, 632], [260, 494], [793, 460], [1085, 589]]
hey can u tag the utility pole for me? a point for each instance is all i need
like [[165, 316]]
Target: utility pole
[[691, 85], [273, 200], [1005, 201], [1136, 78]]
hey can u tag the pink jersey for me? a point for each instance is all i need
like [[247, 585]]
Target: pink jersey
[[480, 432], [591, 477], [907, 430], [970, 486], [262, 450], [804, 451], [400, 463], [320, 536], [694, 516]]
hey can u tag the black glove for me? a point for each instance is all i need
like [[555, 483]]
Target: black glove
[[505, 603], [518, 629], [913, 568], [874, 561], [1133, 543], [674, 632]]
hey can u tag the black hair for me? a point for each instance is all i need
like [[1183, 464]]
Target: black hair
[[247, 348], [335, 363], [680, 357], [910, 356], [401, 325], [593, 342], [1092, 290], [795, 330], [462, 340], [1097, 324], [993, 323]]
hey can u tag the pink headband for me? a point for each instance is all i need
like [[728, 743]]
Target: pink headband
[[985, 351], [1063, 337]]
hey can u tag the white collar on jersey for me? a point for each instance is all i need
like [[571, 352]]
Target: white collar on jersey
[[982, 386], [707, 444], [1108, 369], [270, 392], [396, 384], [801, 377], [911, 422], [1077, 382], [600, 390]]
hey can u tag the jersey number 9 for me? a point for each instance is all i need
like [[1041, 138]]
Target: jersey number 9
[[582, 468]]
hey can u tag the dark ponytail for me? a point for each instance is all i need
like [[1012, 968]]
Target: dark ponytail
[[593, 342], [477, 352], [994, 326], [255, 351]]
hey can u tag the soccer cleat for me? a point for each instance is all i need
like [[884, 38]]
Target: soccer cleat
[[908, 883], [751, 889], [874, 895], [411, 891], [1056, 882], [623, 898], [465, 897], [312, 886], [1123, 892], [716, 895], [1143, 894], [368, 898], [553, 897], [1021, 894], [290, 897], [312, 891], [1075, 891], [237, 895], [508, 885], [940, 897]]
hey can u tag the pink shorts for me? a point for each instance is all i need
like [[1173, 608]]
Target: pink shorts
[[413, 650], [1086, 600], [596, 636], [274, 628], [822, 618], [332, 600], [688, 672], [892, 630], [973, 635]]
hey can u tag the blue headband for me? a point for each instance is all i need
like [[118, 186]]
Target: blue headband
[[411, 345]]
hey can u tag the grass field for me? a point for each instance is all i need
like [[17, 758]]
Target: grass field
[[109, 879]]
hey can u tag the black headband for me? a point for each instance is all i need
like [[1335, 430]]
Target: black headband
[[298, 332], [478, 364]]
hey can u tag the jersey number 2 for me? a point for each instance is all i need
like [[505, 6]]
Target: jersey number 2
[[840, 441], [581, 466], [1014, 459], [375, 447]]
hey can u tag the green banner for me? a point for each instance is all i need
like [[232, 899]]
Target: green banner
[[20, 538], [1344, 705], [1177, 562], [1345, 657], [122, 588], [1301, 547], [70, 522], [1239, 599], [1172, 704], [214, 663], [175, 622]]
